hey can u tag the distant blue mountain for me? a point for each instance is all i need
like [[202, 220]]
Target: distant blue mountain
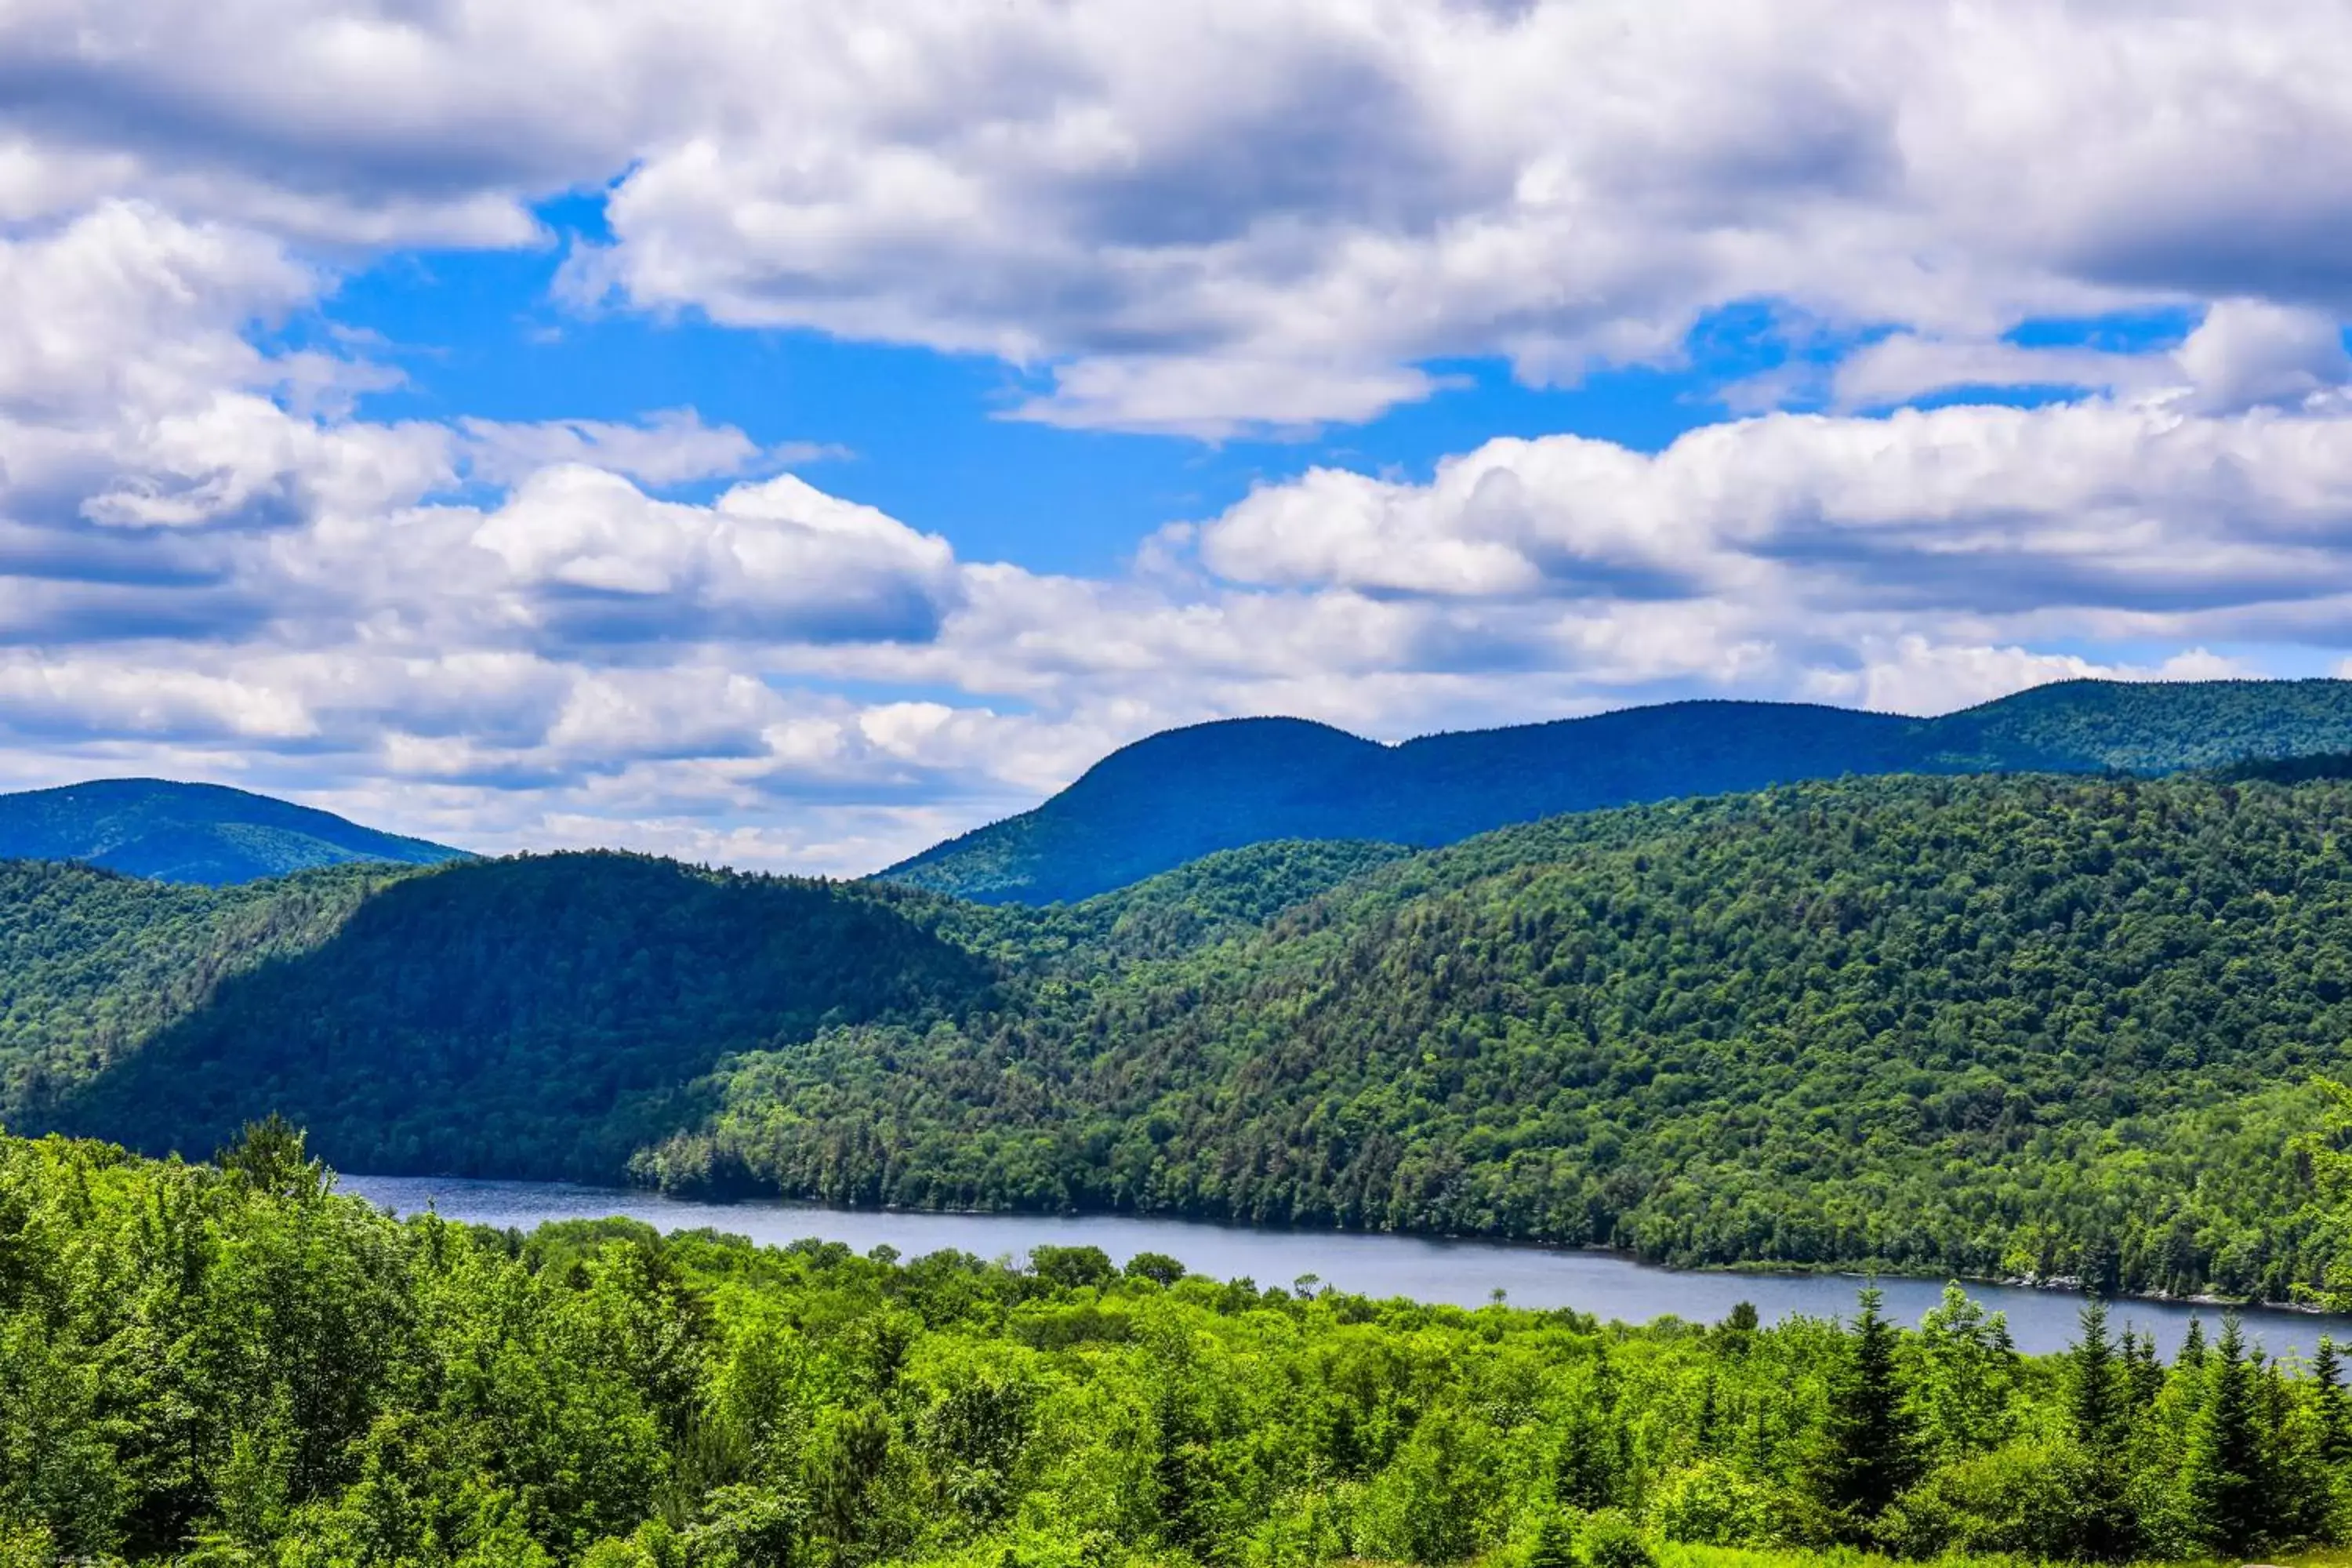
[[1187, 793], [192, 832]]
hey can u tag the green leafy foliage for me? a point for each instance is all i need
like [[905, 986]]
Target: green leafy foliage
[[191, 832], [236, 1366], [1184, 794], [1992, 1026], [1987, 1027], [534, 1015], [93, 961]]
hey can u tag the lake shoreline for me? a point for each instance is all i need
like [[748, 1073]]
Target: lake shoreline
[[773, 1203]]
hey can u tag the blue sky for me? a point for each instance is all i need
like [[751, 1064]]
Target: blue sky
[[787, 435], [924, 436]]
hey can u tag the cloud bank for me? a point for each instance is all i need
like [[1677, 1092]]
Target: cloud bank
[[1207, 220]]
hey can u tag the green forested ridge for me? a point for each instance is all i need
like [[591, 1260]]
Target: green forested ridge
[[1198, 903], [534, 1015], [537, 1015], [92, 961], [192, 832], [234, 1365], [1186, 793], [1992, 1026]]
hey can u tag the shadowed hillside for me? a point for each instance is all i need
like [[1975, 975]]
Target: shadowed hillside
[[92, 963], [522, 1017], [492, 1016]]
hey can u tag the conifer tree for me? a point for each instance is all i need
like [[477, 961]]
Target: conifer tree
[[2328, 1402], [1555, 1543], [2143, 1371], [1590, 1463], [2192, 1347], [2104, 1527], [2295, 1461], [2090, 1390], [2223, 1474], [1867, 1451]]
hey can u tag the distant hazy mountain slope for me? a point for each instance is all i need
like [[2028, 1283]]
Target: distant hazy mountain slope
[[2146, 727], [1162, 801], [192, 832], [1184, 794]]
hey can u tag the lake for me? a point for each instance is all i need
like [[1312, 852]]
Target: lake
[[1464, 1273]]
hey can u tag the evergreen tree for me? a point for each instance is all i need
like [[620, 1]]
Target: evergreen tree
[[1555, 1543], [2192, 1347], [1589, 1467], [2104, 1528], [2143, 1371], [2223, 1474], [1868, 1451], [1182, 1468], [2091, 1392], [2329, 1415], [2295, 1461]]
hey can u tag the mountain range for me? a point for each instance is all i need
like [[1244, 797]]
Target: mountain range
[[1989, 1023], [1996, 1026], [1183, 794]]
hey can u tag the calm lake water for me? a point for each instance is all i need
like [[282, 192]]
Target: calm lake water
[[1464, 1273]]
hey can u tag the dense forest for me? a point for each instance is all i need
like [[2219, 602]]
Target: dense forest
[[1987, 1026], [1992, 1026], [540, 1016], [1183, 794], [92, 961], [567, 1001], [231, 1364]]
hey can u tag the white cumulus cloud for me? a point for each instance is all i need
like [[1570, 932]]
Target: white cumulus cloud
[[1246, 212], [1214, 219]]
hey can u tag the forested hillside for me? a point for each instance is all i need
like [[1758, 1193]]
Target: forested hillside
[[493, 1020], [1996, 1027], [1187, 793], [528, 1017], [238, 1366], [93, 961], [1991, 1026], [192, 832]]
